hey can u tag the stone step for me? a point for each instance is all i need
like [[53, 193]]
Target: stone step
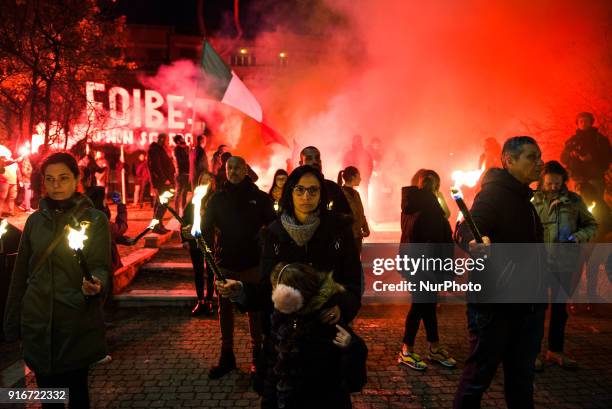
[[167, 265], [131, 264], [156, 298]]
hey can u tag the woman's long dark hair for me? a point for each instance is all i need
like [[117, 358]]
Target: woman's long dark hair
[[347, 174], [286, 201], [276, 174], [553, 168], [426, 179]]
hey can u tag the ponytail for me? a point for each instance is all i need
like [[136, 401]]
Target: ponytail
[[347, 174]]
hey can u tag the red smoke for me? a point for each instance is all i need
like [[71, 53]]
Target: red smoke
[[432, 80]]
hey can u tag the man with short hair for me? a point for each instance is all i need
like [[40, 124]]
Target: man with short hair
[[232, 221], [587, 154], [311, 155], [508, 333], [161, 170]]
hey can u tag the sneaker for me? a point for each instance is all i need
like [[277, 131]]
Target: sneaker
[[201, 308], [411, 360], [562, 360], [104, 360], [539, 364], [442, 357], [227, 363]]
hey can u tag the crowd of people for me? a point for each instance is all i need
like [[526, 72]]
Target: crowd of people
[[290, 258]]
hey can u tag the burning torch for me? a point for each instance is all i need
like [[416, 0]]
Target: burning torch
[[150, 227], [76, 239], [163, 199], [198, 195], [3, 230], [458, 197]]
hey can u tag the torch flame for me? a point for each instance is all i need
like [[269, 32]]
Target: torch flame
[[25, 149], [456, 193], [153, 223], [164, 197], [592, 206], [198, 195], [76, 238], [467, 178], [330, 205], [3, 229], [276, 207]]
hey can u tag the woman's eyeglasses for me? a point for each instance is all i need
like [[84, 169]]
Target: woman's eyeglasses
[[63, 180], [312, 190]]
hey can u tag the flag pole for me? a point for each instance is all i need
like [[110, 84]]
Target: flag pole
[[122, 160]]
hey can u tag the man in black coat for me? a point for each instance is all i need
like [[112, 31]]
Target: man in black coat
[[587, 154], [508, 333], [181, 155], [311, 155], [162, 172], [232, 221]]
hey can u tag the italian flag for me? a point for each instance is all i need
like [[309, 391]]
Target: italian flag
[[227, 88]]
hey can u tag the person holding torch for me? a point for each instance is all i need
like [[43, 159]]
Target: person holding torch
[[233, 219], [51, 306], [508, 333], [205, 302]]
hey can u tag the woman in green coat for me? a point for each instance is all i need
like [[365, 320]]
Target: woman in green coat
[[51, 307], [565, 219]]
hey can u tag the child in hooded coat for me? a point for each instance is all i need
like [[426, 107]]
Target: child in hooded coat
[[314, 365]]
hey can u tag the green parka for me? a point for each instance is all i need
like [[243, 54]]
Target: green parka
[[61, 330], [564, 216]]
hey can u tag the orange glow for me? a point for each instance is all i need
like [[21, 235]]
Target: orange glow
[[467, 178]]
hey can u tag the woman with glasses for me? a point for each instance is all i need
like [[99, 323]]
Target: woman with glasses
[[306, 232], [51, 307]]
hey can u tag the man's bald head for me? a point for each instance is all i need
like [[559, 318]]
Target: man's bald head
[[236, 169], [310, 155]]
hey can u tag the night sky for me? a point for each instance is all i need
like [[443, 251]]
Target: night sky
[[256, 16]]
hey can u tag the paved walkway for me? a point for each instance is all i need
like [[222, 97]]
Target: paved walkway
[[161, 357]]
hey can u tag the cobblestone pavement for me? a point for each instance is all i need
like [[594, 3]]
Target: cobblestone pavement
[[161, 357]]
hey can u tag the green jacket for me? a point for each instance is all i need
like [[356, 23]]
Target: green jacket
[[60, 329], [563, 217]]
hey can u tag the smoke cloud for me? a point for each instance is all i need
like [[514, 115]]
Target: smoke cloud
[[430, 80]]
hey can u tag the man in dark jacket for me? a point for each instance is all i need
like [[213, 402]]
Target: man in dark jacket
[[161, 170], [587, 154], [181, 155], [232, 221], [311, 155], [509, 333]]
